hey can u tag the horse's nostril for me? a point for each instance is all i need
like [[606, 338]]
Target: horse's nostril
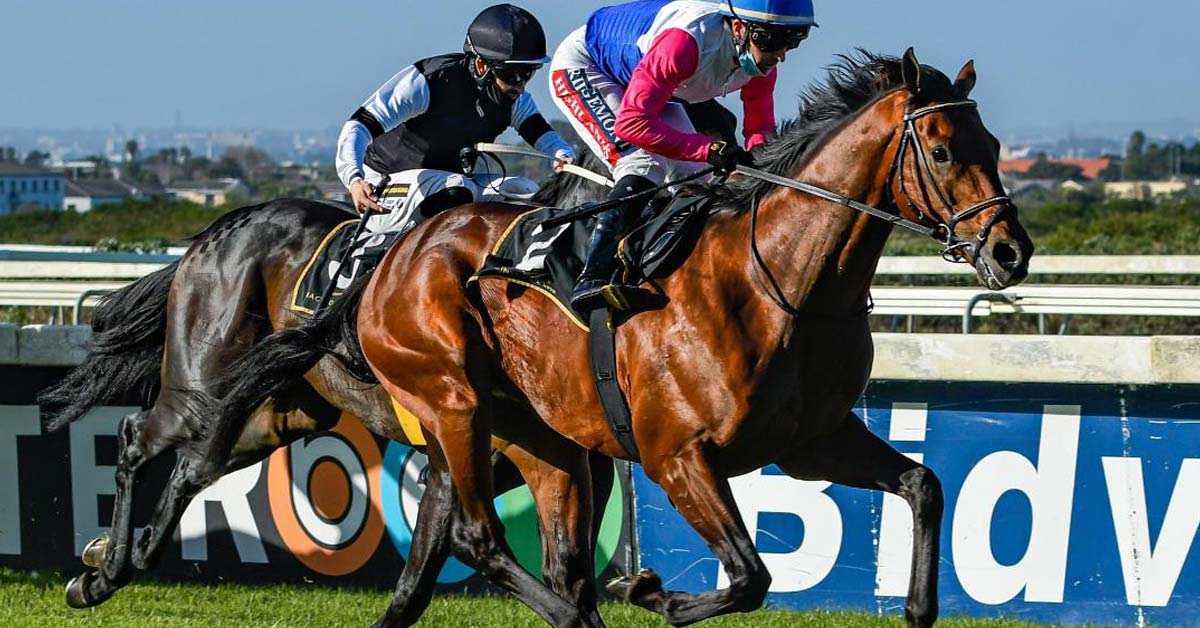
[[1006, 255]]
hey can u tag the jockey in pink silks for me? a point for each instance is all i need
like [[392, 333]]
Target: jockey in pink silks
[[622, 80]]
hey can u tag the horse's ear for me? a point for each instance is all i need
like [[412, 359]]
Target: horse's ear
[[966, 79], [911, 70]]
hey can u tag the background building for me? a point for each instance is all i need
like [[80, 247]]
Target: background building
[[29, 187]]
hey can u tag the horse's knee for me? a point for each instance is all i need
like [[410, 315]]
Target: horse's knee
[[923, 490]]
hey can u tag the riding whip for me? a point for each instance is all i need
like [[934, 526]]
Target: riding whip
[[327, 295]]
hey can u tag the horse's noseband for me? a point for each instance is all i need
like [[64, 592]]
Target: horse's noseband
[[945, 233]]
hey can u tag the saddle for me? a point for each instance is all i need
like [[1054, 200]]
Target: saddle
[[550, 259]]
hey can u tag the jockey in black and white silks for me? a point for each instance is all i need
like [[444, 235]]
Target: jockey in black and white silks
[[414, 127]]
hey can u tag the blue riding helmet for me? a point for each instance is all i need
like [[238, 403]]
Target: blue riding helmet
[[774, 12]]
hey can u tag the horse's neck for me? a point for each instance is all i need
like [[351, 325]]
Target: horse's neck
[[824, 255]]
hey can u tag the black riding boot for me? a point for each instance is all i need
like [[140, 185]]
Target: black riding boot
[[596, 281]]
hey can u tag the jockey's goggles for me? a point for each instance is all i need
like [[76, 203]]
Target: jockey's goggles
[[776, 38], [515, 74]]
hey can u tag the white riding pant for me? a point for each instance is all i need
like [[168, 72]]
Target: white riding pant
[[406, 190]]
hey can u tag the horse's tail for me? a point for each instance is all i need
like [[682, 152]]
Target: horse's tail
[[281, 359], [125, 357]]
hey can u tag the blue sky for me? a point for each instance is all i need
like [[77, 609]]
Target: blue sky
[[285, 64]]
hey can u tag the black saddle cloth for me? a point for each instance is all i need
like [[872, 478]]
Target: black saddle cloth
[[551, 258], [324, 266]]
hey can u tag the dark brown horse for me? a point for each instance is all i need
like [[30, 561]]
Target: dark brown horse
[[757, 359], [166, 339]]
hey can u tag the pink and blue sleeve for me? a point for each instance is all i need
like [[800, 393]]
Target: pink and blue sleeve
[[758, 103], [671, 60]]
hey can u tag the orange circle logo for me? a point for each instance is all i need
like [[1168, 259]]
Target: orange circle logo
[[323, 492]]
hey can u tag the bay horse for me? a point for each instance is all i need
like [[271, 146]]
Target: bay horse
[[758, 358], [164, 340]]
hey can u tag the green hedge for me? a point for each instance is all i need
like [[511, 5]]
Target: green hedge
[[148, 223]]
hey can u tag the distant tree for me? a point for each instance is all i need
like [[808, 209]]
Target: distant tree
[[10, 154], [36, 158], [1113, 171], [1043, 168], [254, 164], [161, 167], [1137, 144], [185, 153], [131, 149]]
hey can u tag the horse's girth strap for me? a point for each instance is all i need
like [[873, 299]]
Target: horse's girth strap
[[603, 345]]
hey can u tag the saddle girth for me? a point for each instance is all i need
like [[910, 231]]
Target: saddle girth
[[603, 345]]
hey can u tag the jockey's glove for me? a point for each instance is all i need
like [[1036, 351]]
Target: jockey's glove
[[727, 157]]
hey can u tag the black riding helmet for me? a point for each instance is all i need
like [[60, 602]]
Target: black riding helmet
[[505, 35]]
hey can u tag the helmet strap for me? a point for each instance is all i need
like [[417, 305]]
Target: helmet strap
[[486, 82], [745, 56]]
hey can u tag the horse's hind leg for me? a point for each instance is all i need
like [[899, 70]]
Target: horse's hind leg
[[431, 537], [705, 500], [853, 456], [430, 549], [559, 477], [272, 426], [461, 446], [141, 436]]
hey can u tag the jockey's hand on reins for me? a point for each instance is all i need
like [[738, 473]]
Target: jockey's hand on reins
[[726, 157], [364, 197]]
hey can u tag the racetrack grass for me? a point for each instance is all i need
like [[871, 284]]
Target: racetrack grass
[[37, 600]]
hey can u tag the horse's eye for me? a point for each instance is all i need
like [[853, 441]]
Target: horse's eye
[[941, 155]]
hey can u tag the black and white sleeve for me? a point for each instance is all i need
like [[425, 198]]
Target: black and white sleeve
[[402, 97], [534, 129]]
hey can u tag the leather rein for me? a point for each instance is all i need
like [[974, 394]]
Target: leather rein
[[944, 232]]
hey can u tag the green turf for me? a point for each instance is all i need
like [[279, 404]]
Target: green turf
[[37, 601]]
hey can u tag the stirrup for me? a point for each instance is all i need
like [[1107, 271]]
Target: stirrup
[[627, 298], [616, 296]]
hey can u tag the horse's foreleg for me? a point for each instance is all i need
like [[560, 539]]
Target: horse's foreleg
[[141, 437], [853, 456], [705, 500]]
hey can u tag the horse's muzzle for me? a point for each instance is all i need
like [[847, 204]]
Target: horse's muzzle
[[1004, 262]]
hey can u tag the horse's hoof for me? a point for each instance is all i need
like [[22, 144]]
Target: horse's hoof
[[631, 589], [93, 554], [77, 596]]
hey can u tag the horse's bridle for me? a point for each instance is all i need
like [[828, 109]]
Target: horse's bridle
[[944, 233]]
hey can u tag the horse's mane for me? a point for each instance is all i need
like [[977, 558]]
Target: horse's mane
[[855, 81]]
